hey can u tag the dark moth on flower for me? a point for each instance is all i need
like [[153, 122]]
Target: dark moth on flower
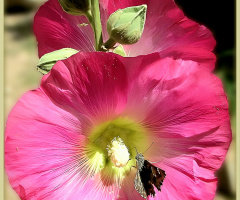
[[147, 175]]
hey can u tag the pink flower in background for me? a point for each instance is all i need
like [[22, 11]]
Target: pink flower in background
[[166, 30], [57, 136]]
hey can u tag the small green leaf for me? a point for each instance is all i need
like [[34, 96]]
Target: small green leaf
[[119, 50], [125, 26], [47, 61]]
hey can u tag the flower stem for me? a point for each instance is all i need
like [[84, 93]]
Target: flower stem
[[96, 24], [109, 43], [88, 14]]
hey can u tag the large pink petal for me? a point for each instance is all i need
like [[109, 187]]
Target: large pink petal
[[177, 96], [55, 29], [93, 83], [43, 148]]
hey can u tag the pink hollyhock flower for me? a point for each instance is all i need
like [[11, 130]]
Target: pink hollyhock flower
[[166, 30], [59, 138]]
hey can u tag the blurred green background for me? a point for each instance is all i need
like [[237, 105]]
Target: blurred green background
[[21, 59]]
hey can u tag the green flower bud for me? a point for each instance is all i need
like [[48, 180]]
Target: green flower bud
[[125, 26], [47, 61], [75, 7]]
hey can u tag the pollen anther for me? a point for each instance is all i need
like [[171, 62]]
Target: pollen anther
[[118, 152]]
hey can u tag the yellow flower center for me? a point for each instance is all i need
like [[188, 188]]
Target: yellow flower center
[[111, 147]]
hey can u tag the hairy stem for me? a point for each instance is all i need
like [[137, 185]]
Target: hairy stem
[[96, 24]]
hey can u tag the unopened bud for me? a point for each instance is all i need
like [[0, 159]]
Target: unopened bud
[[125, 26], [75, 7]]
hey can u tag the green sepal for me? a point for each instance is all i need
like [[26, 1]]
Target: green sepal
[[119, 50], [125, 26], [47, 61]]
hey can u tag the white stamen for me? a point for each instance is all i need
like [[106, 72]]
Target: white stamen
[[118, 152]]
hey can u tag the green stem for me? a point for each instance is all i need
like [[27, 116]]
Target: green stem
[[96, 24], [109, 44], [88, 14]]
